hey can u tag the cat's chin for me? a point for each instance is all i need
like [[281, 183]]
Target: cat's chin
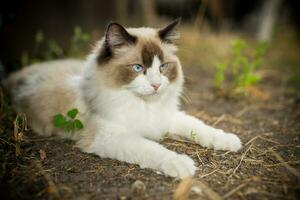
[[148, 96]]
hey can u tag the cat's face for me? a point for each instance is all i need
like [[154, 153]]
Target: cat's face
[[140, 60]]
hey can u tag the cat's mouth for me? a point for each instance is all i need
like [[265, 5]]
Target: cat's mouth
[[147, 95]]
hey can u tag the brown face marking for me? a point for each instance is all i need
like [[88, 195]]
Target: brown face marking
[[149, 50], [124, 75], [171, 71]]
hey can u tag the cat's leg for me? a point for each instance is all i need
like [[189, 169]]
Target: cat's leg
[[114, 142], [194, 129]]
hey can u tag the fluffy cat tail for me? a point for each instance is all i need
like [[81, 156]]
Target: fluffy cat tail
[[9, 84]]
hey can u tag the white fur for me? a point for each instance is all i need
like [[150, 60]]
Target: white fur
[[129, 119], [128, 123]]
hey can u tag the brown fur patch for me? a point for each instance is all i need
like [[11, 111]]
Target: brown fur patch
[[124, 75], [171, 72], [119, 71], [149, 50]]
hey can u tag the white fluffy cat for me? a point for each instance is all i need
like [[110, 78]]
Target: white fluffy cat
[[127, 92]]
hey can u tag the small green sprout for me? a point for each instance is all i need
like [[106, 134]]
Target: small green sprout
[[193, 135], [68, 123], [241, 69]]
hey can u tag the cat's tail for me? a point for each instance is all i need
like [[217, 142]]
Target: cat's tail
[[10, 84]]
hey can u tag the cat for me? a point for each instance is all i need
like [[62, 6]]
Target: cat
[[127, 92]]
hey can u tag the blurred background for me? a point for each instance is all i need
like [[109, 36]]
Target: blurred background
[[241, 60], [33, 30]]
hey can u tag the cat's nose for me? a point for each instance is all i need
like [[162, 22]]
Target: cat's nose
[[155, 85]]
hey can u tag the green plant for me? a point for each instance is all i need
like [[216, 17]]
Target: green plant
[[193, 135], [241, 69], [68, 122], [45, 49], [219, 75], [78, 42]]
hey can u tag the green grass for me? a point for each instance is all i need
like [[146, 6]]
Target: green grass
[[240, 69]]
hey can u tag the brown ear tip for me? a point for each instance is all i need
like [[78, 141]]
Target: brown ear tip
[[113, 25]]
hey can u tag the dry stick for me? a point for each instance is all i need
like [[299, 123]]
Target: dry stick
[[198, 156], [7, 142], [230, 193], [212, 195], [210, 173], [219, 120], [183, 189], [293, 162], [262, 138], [285, 164], [51, 184], [242, 158]]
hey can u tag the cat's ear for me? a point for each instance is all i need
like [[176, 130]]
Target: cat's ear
[[117, 36], [169, 33]]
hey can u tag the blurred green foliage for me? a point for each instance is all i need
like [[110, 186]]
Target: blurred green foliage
[[47, 49], [240, 69]]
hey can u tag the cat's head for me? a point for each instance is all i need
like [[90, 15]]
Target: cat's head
[[140, 60]]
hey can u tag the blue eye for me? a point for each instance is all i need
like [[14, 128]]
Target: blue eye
[[137, 68], [163, 66]]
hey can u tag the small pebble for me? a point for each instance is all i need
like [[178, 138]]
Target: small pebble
[[138, 187], [196, 191]]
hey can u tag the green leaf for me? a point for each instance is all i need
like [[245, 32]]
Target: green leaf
[[78, 124], [59, 120], [72, 113], [69, 126], [252, 79]]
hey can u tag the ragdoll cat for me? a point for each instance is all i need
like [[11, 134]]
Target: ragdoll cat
[[127, 92]]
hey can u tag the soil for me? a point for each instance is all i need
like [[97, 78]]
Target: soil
[[34, 167]]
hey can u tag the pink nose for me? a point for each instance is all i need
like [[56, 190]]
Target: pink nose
[[155, 86]]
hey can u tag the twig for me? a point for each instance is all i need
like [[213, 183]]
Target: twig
[[212, 195], [198, 156], [262, 138], [219, 120], [51, 184], [230, 193], [210, 173], [242, 158], [296, 162], [183, 189], [285, 164], [7, 142]]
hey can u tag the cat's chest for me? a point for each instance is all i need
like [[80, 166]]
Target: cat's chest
[[148, 120]]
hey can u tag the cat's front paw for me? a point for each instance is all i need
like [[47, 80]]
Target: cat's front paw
[[178, 166], [227, 141]]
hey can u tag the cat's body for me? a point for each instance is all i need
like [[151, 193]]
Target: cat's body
[[127, 92]]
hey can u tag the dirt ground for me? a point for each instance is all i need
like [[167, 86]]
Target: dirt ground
[[267, 167]]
